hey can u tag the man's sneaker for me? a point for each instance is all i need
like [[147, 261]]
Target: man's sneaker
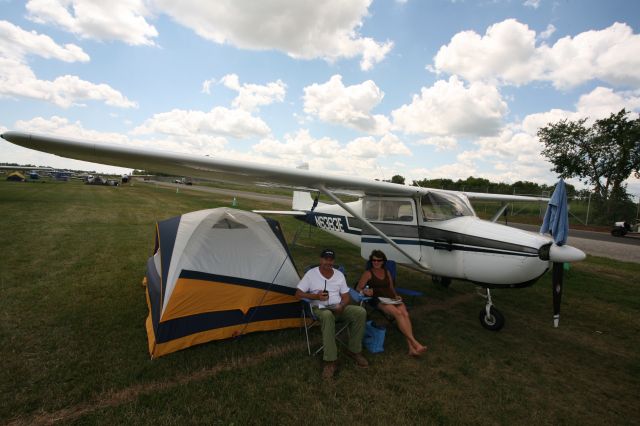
[[329, 370], [361, 361]]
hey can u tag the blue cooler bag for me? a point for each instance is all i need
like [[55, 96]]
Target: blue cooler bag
[[374, 337]]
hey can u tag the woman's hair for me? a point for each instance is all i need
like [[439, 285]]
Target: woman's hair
[[378, 254]]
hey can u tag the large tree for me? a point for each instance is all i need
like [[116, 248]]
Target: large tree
[[603, 155], [397, 179]]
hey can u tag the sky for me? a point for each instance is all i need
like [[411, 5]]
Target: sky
[[371, 88]]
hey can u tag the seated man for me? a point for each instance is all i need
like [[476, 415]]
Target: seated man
[[326, 289]]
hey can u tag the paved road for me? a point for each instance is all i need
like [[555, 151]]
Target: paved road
[[589, 235], [594, 243]]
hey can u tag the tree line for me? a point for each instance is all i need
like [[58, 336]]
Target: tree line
[[476, 184]]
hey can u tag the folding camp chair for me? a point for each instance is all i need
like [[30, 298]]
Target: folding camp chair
[[309, 319], [405, 292], [390, 265]]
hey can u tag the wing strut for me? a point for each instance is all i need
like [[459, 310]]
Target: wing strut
[[373, 228], [499, 213]]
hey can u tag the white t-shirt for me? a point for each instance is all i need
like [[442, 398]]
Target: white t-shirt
[[314, 282]]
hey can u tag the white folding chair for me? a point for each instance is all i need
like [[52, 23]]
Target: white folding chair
[[309, 319]]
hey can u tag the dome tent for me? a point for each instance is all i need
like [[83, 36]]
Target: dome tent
[[216, 274]]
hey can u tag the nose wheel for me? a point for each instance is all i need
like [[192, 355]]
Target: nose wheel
[[490, 317]]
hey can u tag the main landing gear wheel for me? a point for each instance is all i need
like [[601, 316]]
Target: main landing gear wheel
[[442, 281], [494, 321]]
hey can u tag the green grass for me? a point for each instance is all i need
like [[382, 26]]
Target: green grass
[[73, 342]]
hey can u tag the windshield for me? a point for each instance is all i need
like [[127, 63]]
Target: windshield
[[442, 206]]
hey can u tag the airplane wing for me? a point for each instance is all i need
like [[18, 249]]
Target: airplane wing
[[208, 168], [219, 169], [35, 169], [281, 212], [481, 196]]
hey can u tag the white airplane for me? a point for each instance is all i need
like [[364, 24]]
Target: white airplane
[[434, 231]]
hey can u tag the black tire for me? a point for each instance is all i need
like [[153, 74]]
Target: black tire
[[617, 232], [494, 322], [442, 281]]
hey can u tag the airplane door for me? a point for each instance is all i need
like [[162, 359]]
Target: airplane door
[[396, 217]]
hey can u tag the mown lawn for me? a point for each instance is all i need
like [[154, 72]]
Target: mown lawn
[[74, 350]]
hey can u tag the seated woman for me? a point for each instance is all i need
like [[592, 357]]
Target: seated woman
[[381, 287]]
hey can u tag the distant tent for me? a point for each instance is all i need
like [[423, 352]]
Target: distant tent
[[216, 274], [16, 177]]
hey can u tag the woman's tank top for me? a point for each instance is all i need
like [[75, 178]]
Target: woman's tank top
[[381, 287]]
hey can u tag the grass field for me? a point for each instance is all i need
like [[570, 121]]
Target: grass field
[[74, 350]]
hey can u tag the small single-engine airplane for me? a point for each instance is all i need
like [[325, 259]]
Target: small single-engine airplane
[[434, 231]]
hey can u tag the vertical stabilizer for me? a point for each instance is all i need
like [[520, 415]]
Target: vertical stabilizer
[[303, 201]]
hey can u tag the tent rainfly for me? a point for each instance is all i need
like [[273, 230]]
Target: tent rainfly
[[16, 177], [217, 274]]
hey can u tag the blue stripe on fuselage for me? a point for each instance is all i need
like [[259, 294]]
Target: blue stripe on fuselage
[[329, 222], [338, 223], [444, 245]]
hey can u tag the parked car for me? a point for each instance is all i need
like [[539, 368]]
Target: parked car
[[620, 229]]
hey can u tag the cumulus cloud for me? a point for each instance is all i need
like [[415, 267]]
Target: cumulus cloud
[[609, 55], [368, 147], [298, 145], [62, 127], [359, 157], [305, 29], [508, 54], [348, 106], [514, 153], [451, 108], [18, 79], [220, 121], [597, 104], [123, 20], [188, 143], [252, 96], [602, 101], [509, 156], [16, 44], [442, 143]]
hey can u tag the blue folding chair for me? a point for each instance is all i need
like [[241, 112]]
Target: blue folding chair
[[392, 268]]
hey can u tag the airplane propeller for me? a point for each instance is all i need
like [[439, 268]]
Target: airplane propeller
[[556, 221]]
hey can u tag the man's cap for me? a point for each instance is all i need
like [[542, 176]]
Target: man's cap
[[328, 253]]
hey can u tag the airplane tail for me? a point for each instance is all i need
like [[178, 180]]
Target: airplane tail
[[303, 201]]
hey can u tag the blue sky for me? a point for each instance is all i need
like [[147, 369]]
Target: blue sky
[[424, 89]]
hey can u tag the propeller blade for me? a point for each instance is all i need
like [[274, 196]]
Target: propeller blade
[[556, 282]]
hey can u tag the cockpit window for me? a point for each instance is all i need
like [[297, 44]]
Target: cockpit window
[[442, 206], [388, 210]]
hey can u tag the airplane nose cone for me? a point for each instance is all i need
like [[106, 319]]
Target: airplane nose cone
[[561, 254]]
